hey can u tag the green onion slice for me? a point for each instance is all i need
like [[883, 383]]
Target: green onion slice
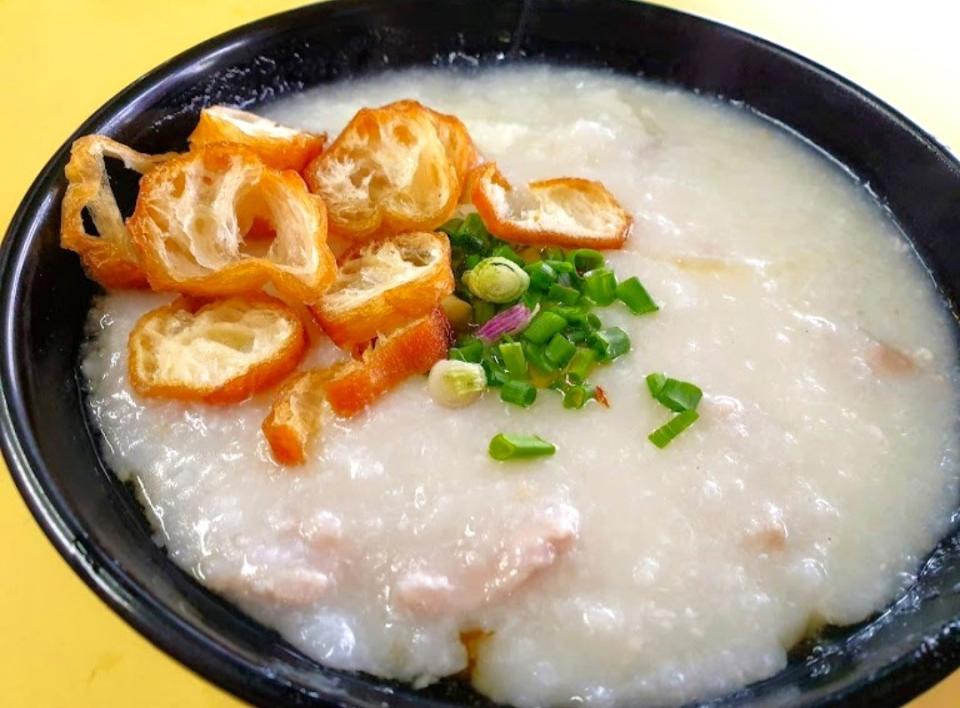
[[662, 436], [496, 279], [584, 259], [610, 343], [600, 285], [632, 294], [513, 359], [517, 447], [468, 351], [542, 276], [559, 351], [563, 294], [576, 396], [534, 354], [543, 327], [655, 382], [451, 227], [519, 393], [581, 365], [676, 395], [505, 251], [483, 311]]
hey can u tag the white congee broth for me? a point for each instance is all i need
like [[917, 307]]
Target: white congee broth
[[822, 470]]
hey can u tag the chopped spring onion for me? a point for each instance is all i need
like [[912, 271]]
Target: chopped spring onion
[[576, 397], [600, 285], [632, 294], [517, 392], [528, 316], [497, 279], [496, 373], [585, 259], [609, 343], [510, 321], [562, 267], [542, 276], [676, 395], [531, 299], [451, 228], [468, 233], [559, 351], [543, 327], [505, 251], [483, 311], [563, 294], [662, 436], [581, 365], [513, 359], [655, 382], [471, 351], [534, 355], [514, 447], [456, 383]]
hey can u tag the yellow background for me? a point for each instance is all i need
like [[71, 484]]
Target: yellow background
[[61, 59]]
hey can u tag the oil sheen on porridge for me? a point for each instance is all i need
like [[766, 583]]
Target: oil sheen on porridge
[[822, 471]]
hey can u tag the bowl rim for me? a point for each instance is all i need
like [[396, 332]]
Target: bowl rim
[[195, 650]]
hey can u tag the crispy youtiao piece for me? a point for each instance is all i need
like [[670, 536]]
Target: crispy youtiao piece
[[452, 133], [194, 219], [385, 284], [217, 352], [567, 212], [296, 415], [278, 146], [395, 357], [110, 258], [389, 171]]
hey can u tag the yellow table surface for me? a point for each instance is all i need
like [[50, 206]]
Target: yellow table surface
[[61, 59]]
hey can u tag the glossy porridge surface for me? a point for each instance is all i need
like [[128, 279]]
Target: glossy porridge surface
[[822, 471]]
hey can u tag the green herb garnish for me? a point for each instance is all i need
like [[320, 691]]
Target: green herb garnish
[[559, 351], [662, 436], [609, 343], [632, 294], [516, 447], [513, 359], [600, 285], [543, 327], [565, 339], [680, 396], [676, 395]]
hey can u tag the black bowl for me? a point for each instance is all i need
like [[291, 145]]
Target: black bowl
[[96, 523]]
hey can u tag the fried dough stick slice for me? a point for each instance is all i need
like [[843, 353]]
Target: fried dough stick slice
[[216, 352], [410, 350], [384, 285], [567, 212], [452, 133], [195, 212], [388, 172], [279, 147], [296, 416], [109, 256]]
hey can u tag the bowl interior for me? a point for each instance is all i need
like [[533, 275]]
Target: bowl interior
[[96, 522]]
